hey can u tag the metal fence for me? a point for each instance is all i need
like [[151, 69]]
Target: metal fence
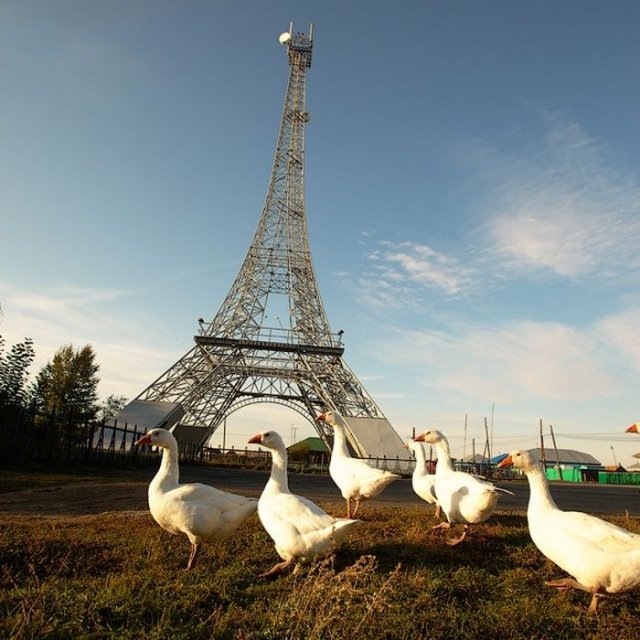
[[31, 438], [28, 437]]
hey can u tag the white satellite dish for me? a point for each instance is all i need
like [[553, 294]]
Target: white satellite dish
[[284, 37]]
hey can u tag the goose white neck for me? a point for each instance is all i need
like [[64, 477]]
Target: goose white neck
[[168, 474], [444, 456], [421, 460], [539, 494], [340, 442], [278, 480]]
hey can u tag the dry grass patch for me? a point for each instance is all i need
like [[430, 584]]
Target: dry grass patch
[[117, 575]]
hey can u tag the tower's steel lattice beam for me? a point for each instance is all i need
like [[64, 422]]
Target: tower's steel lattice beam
[[237, 359]]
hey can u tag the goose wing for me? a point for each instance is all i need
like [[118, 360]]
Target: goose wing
[[609, 537], [299, 512], [205, 494], [354, 475]]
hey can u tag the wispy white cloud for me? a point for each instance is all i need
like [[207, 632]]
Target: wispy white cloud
[[374, 292], [517, 361], [398, 275], [565, 207], [561, 206], [424, 266], [125, 342], [621, 333]]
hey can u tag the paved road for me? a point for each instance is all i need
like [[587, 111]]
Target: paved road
[[591, 498]]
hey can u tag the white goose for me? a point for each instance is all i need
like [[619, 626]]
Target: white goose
[[356, 479], [422, 481], [300, 529], [464, 498], [599, 555], [201, 512]]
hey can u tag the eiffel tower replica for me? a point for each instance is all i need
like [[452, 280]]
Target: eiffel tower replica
[[237, 358]]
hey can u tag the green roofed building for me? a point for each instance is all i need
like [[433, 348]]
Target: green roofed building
[[311, 450], [569, 465]]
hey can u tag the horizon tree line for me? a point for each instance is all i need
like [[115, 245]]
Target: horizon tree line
[[65, 389]]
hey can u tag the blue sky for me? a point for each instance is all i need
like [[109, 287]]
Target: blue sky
[[472, 187]]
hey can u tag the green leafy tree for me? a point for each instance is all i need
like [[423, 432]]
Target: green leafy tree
[[14, 373], [110, 407], [67, 386]]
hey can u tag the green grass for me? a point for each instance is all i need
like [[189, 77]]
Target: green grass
[[118, 575]]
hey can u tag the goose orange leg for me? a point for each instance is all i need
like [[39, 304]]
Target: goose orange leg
[[277, 568], [564, 584], [192, 558]]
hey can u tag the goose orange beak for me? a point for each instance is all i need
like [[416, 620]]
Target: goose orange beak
[[419, 438], [322, 417], [506, 462], [257, 439], [146, 439]]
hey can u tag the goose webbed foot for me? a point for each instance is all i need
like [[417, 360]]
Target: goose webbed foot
[[276, 569], [452, 542], [328, 562], [565, 584]]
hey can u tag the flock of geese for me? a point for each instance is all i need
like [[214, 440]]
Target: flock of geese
[[598, 556]]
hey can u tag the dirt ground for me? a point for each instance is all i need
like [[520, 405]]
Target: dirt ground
[[76, 498], [119, 491]]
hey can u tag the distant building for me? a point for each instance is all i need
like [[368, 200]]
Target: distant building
[[635, 467], [569, 465], [615, 468], [567, 458], [312, 450], [475, 459]]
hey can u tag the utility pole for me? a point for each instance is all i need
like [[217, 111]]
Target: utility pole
[[464, 443], [553, 439], [486, 436]]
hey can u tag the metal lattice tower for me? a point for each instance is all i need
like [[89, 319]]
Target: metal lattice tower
[[238, 359]]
